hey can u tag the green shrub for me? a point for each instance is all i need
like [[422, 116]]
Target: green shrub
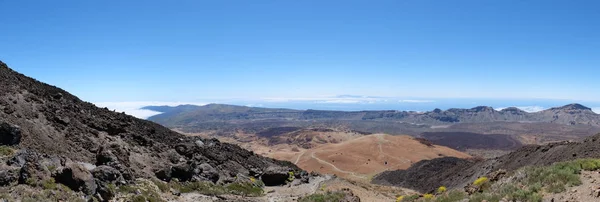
[[6, 151], [555, 178], [479, 197], [162, 186], [208, 188], [589, 164], [325, 197], [411, 198], [244, 189], [51, 168], [451, 196], [291, 176], [49, 184], [127, 189]]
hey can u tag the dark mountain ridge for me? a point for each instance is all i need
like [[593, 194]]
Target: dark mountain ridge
[[572, 114]]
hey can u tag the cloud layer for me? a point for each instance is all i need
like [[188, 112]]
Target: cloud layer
[[529, 109], [134, 108]]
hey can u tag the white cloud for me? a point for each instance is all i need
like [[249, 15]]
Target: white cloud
[[134, 108], [529, 109], [345, 99], [341, 101], [416, 101], [596, 110]]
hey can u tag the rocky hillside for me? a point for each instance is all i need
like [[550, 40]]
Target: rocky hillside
[[64, 139], [426, 176]]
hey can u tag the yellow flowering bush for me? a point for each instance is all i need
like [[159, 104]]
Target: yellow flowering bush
[[428, 196], [442, 189], [480, 181]]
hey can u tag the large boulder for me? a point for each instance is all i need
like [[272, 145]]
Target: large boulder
[[205, 172], [32, 171], [9, 134], [78, 178], [106, 177], [115, 156], [275, 176], [107, 174]]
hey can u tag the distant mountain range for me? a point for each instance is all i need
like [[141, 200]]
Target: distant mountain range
[[572, 114]]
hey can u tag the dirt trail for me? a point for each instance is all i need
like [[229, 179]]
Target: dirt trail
[[299, 156], [336, 168]]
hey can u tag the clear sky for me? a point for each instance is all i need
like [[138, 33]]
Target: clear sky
[[190, 50]]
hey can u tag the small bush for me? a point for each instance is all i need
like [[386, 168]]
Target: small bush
[[555, 178], [399, 198], [6, 151], [480, 181], [162, 186], [479, 197], [49, 184], [452, 196], [51, 168], [589, 164], [441, 190], [428, 196], [411, 198], [127, 189], [291, 176], [244, 189], [325, 197]]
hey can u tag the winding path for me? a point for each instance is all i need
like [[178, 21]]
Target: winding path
[[312, 155]]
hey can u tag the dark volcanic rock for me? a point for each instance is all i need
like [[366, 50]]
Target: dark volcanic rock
[[76, 177], [8, 177], [60, 127], [424, 175], [107, 174], [9, 134], [275, 176]]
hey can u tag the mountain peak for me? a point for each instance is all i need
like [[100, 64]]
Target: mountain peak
[[513, 109], [482, 108], [573, 106]]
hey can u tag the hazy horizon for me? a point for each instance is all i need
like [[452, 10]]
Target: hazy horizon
[[356, 104]]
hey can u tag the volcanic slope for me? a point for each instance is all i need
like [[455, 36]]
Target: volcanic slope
[[347, 154], [426, 176], [45, 122], [366, 156]]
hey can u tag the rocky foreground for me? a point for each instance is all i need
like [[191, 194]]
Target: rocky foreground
[[52, 141]]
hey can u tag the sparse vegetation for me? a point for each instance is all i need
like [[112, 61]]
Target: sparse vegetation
[[428, 196], [480, 181], [441, 190], [162, 186], [552, 179], [451, 196], [557, 177], [291, 176], [6, 151], [207, 188], [324, 197], [409, 198], [49, 184]]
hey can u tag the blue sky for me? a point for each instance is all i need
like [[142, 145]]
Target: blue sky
[[205, 51]]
